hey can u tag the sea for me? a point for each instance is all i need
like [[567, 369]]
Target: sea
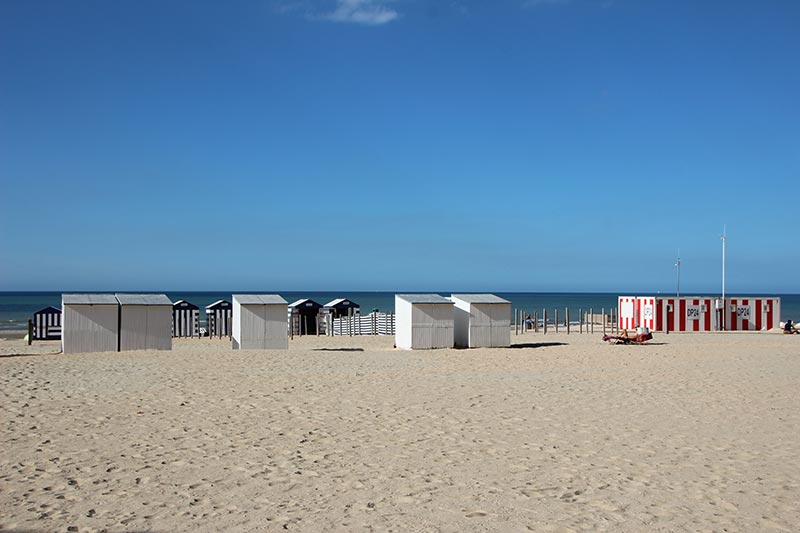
[[17, 307]]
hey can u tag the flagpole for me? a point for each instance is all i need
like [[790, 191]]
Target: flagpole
[[678, 267], [724, 304]]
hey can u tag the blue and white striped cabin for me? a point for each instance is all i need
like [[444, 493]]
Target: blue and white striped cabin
[[219, 317], [47, 324], [185, 319], [340, 307]]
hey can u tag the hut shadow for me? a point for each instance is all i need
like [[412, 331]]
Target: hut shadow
[[538, 344], [4, 355], [338, 349]]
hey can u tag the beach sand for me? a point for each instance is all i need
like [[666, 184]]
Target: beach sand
[[697, 432]]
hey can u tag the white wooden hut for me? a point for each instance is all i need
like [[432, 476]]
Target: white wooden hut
[[219, 318], [185, 319], [259, 322], [423, 321], [89, 323], [145, 322], [481, 321]]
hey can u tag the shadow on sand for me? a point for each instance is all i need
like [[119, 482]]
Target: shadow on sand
[[538, 344], [338, 349], [2, 355]]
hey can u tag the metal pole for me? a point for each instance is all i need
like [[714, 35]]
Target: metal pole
[[724, 304], [591, 319], [544, 320], [30, 331], [555, 318], [678, 268], [580, 318], [567, 319], [536, 321]]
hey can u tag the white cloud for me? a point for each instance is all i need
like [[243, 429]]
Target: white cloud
[[369, 12]]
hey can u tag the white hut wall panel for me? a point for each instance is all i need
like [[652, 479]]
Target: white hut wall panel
[[133, 328], [89, 328], [275, 330], [480, 328], [159, 335], [432, 326], [500, 318], [145, 327], [753, 314], [259, 327], [237, 325], [251, 326], [481, 324], [461, 324], [185, 322], [47, 324], [403, 325], [490, 325]]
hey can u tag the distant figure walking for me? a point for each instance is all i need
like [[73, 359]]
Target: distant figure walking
[[528, 321]]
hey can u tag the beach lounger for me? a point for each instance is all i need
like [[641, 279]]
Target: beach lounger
[[639, 338]]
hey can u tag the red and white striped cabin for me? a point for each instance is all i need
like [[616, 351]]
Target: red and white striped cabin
[[760, 313], [693, 313], [698, 313], [635, 311]]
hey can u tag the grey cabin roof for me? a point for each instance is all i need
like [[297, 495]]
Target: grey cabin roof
[[218, 302], [480, 299], [143, 299], [424, 298], [88, 299], [301, 301], [337, 301], [259, 299], [48, 311]]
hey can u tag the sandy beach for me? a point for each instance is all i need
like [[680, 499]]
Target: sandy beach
[[697, 432]]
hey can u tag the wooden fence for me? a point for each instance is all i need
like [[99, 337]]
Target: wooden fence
[[371, 324]]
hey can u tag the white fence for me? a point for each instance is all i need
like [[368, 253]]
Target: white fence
[[371, 324]]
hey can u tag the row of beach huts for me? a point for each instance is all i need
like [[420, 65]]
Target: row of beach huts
[[123, 322], [119, 322], [303, 315]]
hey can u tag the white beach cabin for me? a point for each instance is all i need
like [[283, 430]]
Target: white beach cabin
[[89, 323], [481, 321], [423, 321], [259, 322], [145, 322]]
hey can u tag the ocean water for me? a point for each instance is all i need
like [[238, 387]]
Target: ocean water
[[17, 307]]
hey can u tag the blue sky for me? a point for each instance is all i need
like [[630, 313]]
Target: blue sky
[[530, 145]]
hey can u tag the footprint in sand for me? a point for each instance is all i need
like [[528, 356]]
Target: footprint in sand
[[476, 514]]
